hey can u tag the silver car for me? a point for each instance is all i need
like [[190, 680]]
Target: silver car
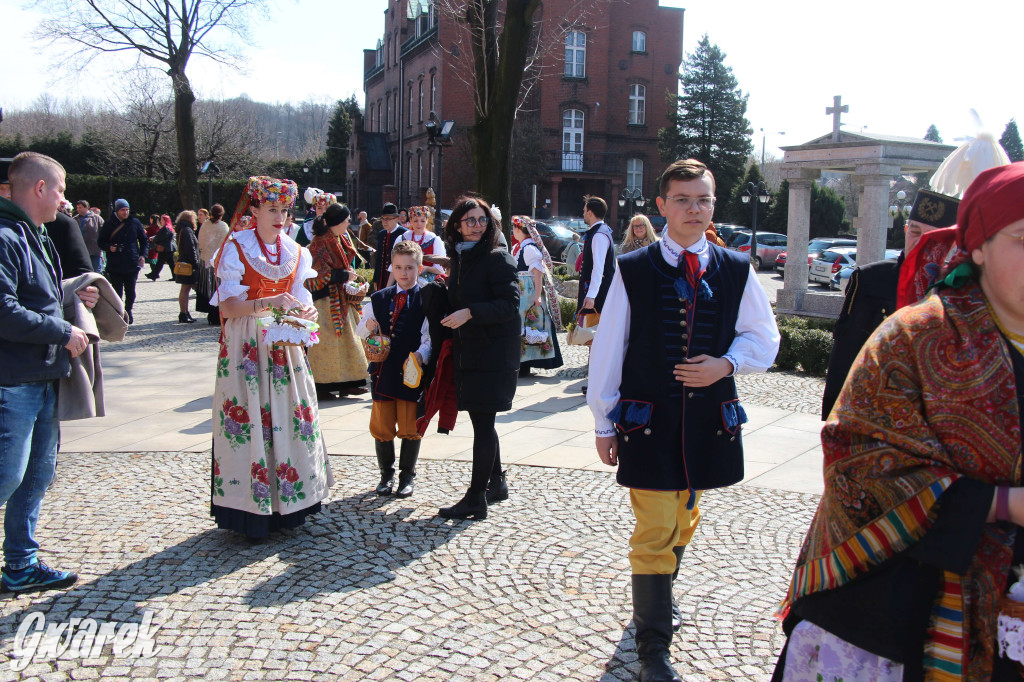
[[830, 262]]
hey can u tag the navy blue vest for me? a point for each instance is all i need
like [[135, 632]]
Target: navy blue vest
[[588, 268], [386, 378], [385, 243], [673, 437], [521, 263]]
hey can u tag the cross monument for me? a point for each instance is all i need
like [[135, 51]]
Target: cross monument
[[837, 112]]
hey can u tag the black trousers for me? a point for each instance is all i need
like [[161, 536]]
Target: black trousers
[[124, 286], [486, 451], [161, 258]]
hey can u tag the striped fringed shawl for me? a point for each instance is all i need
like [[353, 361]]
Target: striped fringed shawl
[[930, 398], [331, 253]]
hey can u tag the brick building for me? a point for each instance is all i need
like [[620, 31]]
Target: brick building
[[590, 124]]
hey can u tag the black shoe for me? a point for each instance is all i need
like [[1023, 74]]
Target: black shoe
[[323, 396], [524, 372], [407, 457], [652, 616], [185, 318], [150, 276], [584, 389], [386, 463], [497, 488], [471, 506], [677, 615], [131, 320]]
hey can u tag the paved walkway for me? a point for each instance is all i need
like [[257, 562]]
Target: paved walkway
[[382, 588]]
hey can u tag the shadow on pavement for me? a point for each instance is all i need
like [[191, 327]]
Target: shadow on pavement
[[623, 664]]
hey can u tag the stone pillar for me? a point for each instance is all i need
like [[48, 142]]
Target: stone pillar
[[874, 211], [798, 230]]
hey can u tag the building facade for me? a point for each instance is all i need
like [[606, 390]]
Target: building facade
[[588, 126]]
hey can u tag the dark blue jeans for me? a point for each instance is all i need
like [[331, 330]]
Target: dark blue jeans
[[29, 435]]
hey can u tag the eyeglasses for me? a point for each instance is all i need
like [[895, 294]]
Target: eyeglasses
[[703, 203], [473, 221], [1015, 237]]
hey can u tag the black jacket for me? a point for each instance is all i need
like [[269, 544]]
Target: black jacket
[[130, 242], [870, 298], [486, 349], [33, 331], [67, 238], [188, 252]]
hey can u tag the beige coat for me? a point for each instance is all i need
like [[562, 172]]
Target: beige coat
[[81, 394], [211, 236]]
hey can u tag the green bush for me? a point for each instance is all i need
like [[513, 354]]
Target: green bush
[[805, 342], [815, 345], [787, 358], [365, 273], [564, 277], [794, 322], [149, 196], [567, 307]]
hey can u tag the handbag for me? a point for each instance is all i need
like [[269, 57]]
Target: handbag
[[183, 269], [582, 334]]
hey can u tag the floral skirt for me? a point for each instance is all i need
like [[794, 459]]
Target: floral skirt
[[337, 358], [536, 322], [269, 456], [814, 654]]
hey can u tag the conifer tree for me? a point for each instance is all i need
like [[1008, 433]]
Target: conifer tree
[[1011, 141], [933, 134]]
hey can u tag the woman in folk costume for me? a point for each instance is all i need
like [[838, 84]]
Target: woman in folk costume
[[319, 200], [338, 360], [430, 243], [270, 465], [910, 552], [539, 312]]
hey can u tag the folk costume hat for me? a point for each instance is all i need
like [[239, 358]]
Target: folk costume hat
[[323, 200], [389, 209], [261, 189], [932, 208], [420, 212], [994, 200], [959, 169]]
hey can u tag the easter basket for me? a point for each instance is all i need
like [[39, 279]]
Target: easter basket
[[377, 347], [1010, 624], [355, 291], [284, 329]]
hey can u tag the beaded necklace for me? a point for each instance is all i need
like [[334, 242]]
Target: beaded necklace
[[266, 251], [1016, 339]]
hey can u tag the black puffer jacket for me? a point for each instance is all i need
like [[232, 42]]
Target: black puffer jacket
[[487, 348]]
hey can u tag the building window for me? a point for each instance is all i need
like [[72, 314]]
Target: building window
[[420, 108], [576, 54], [378, 118], [387, 113], [637, 104], [635, 174], [389, 52], [394, 111], [380, 53], [639, 41], [411, 108], [419, 168], [408, 184], [430, 178], [433, 92], [572, 140]]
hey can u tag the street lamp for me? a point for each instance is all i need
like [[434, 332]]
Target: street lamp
[[316, 171], [763, 136], [439, 134], [758, 193], [634, 197], [900, 206], [210, 170]]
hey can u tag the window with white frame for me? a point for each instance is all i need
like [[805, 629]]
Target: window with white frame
[[639, 41], [634, 174], [380, 53], [576, 54], [387, 113], [433, 91], [420, 108], [572, 140], [378, 128], [637, 104], [411, 107]]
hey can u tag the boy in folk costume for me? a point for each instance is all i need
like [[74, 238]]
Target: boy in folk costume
[[682, 316], [397, 312]]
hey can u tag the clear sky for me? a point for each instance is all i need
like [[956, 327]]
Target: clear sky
[[899, 67]]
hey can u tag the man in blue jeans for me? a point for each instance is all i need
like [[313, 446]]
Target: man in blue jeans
[[36, 345]]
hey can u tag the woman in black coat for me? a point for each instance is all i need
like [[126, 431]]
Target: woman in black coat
[[188, 252], [483, 300]]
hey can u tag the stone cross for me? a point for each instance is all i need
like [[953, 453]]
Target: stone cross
[[837, 112]]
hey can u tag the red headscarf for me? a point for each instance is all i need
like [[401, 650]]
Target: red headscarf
[[994, 200]]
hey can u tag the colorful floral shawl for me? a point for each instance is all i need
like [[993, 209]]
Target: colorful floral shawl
[[930, 398], [331, 253]]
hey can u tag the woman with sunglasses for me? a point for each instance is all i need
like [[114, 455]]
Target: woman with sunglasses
[[483, 314]]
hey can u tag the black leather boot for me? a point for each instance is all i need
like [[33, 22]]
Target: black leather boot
[[497, 488], [471, 506], [386, 463], [677, 615], [407, 457], [652, 617]]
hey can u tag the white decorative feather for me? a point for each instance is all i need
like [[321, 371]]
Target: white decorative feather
[[959, 169], [496, 213], [311, 194]]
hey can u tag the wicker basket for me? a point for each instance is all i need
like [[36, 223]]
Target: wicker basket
[[1011, 609], [285, 344], [356, 299], [377, 347]]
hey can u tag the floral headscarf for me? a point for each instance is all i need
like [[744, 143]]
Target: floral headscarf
[[528, 226], [323, 200], [263, 188]]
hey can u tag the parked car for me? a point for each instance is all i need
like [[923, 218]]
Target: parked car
[[555, 238], [830, 262], [658, 222], [842, 278], [769, 246], [575, 224], [815, 248], [727, 230]]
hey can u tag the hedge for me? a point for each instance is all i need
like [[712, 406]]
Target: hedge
[[149, 196], [805, 342]]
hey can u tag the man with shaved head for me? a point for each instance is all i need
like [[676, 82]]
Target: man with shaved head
[[36, 347]]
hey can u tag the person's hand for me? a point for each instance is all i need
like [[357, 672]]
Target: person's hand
[[90, 296], [457, 319], [538, 300], [419, 358], [308, 313], [285, 301], [112, 248], [608, 449], [142, 261], [372, 326], [702, 370], [588, 304], [78, 343]]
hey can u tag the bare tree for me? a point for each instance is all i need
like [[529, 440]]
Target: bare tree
[[162, 31]]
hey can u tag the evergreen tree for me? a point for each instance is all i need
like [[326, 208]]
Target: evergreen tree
[[708, 121], [933, 134], [338, 133], [777, 216], [1011, 141], [828, 212], [741, 213]]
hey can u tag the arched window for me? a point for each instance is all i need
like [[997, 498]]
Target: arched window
[[387, 113], [572, 140], [635, 174], [420, 107], [433, 92], [576, 54], [637, 104], [639, 41]]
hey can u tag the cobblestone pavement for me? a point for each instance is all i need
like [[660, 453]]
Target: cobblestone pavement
[[157, 329], [375, 589]]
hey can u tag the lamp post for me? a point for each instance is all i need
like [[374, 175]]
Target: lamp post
[[634, 197], [317, 167], [210, 170], [439, 134], [763, 136], [899, 206], [759, 195]]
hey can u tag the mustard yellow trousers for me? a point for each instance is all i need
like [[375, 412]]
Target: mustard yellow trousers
[[662, 522]]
